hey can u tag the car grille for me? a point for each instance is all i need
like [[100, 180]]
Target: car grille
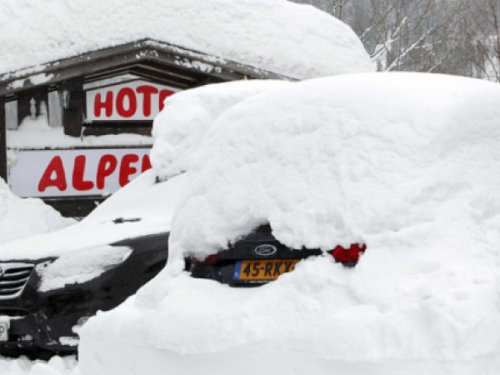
[[18, 313], [13, 279]]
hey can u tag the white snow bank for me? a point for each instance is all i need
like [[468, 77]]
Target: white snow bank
[[406, 163], [294, 40], [20, 218]]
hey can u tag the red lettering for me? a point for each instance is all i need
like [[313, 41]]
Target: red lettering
[[107, 104], [78, 173], [126, 169], [128, 93], [146, 163], [146, 91], [106, 167], [55, 167], [164, 94]]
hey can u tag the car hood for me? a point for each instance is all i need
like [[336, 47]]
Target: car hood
[[143, 207]]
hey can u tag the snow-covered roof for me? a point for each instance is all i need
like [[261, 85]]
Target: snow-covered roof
[[180, 128], [274, 35]]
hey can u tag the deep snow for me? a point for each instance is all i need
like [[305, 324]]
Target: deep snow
[[300, 42], [22, 218], [406, 163], [180, 128]]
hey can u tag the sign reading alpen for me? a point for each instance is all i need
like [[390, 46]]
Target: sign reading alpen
[[81, 172]]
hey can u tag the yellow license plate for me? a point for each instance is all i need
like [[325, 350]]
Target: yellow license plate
[[254, 270]]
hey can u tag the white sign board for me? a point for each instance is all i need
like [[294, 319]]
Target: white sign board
[[69, 173], [130, 101]]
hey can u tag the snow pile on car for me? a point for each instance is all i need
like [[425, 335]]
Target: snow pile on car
[[20, 218], [80, 266], [180, 128], [406, 163], [333, 161], [275, 35], [140, 208]]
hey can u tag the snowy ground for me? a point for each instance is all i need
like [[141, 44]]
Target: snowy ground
[[23, 366]]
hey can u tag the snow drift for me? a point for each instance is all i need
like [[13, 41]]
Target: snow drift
[[406, 163], [20, 218], [290, 39]]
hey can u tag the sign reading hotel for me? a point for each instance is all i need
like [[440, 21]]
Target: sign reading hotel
[[132, 101], [80, 172]]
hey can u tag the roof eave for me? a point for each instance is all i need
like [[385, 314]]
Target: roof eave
[[98, 61]]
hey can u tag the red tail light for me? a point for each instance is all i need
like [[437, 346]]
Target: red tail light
[[351, 254], [211, 259]]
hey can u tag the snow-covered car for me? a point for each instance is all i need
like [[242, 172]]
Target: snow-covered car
[[51, 284], [404, 163]]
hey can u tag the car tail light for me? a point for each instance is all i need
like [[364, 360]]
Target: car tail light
[[350, 254], [211, 259]]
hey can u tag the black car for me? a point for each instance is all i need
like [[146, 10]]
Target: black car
[[42, 323], [51, 284], [260, 258]]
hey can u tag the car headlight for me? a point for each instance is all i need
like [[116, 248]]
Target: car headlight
[[80, 266]]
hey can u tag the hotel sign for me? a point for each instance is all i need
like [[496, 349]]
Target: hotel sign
[[136, 100]]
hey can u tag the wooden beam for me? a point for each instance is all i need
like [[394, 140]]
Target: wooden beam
[[166, 56]]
